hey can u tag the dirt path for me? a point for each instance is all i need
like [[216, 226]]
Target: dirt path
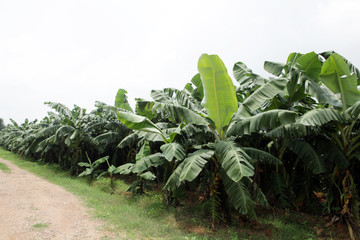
[[32, 208]]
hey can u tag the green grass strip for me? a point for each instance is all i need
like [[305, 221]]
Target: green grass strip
[[4, 168]]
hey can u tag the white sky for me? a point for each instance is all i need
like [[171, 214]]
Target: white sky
[[77, 52]]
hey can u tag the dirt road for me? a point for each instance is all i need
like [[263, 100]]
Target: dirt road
[[32, 208]]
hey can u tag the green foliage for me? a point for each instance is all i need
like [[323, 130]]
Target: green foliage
[[173, 150], [282, 138], [90, 167], [336, 75], [274, 68], [141, 168], [280, 190], [219, 95], [137, 122], [121, 100], [269, 119], [245, 77], [2, 125], [308, 155], [264, 93], [4, 168], [194, 164], [234, 160], [240, 196]]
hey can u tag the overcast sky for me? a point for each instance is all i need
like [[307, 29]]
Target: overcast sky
[[77, 52]]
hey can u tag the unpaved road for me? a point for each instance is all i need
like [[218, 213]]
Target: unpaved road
[[32, 208]]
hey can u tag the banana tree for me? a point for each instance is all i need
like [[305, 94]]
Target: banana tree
[[18, 137], [338, 76], [144, 160], [298, 88], [68, 136], [172, 150], [229, 166], [91, 168], [332, 82]]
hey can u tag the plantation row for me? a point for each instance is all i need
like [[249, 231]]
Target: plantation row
[[289, 141]]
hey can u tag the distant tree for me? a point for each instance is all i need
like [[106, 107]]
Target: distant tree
[[2, 124]]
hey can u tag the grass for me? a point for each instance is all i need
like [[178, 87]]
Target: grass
[[146, 217], [4, 168], [39, 226]]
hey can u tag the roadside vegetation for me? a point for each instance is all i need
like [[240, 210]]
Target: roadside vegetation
[[287, 143], [4, 168]]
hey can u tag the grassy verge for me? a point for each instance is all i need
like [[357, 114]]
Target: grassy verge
[[4, 168], [146, 217]]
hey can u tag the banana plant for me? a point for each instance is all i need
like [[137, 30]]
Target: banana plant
[[336, 74], [144, 160], [91, 168], [333, 82], [298, 89], [111, 171], [229, 165], [2, 125]]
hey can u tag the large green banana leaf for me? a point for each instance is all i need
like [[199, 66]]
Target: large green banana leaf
[[291, 131], [239, 196], [63, 131], [352, 67], [309, 64], [354, 110], [199, 91], [336, 75], [176, 97], [146, 162], [219, 91], [160, 96], [245, 76], [136, 122], [124, 169], [152, 136], [291, 61], [143, 152], [234, 161], [194, 164], [145, 108], [266, 92], [268, 119], [103, 140], [121, 100], [17, 125], [173, 151], [48, 131], [186, 99], [173, 181], [318, 117], [262, 156], [179, 114], [274, 67], [148, 176], [60, 108], [128, 140], [322, 93], [308, 155]]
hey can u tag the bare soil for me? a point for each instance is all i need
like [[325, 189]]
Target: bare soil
[[32, 208]]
